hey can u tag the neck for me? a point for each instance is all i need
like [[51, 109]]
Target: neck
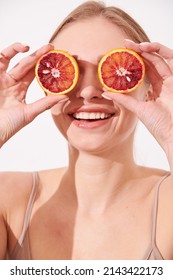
[[97, 178]]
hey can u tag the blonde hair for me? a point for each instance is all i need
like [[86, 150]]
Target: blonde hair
[[113, 14]]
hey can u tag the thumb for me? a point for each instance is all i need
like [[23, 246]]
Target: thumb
[[125, 100], [43, 104]]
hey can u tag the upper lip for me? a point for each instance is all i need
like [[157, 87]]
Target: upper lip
[[91, 109]]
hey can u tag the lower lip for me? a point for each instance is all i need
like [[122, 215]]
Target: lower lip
[[90, 124]]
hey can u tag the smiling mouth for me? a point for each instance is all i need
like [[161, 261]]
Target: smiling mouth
[[91, 116]]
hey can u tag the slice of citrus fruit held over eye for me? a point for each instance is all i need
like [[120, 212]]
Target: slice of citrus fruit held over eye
[[121, 70], [57, 72]]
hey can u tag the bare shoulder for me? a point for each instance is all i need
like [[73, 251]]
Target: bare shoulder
[[166, 194], [165, 218], [165, 179], [49, 182], [164, 214], [51, 175], [14, 194], [152, 178], [15, 188]]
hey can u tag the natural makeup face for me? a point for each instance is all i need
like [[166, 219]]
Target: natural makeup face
[[87, 120]]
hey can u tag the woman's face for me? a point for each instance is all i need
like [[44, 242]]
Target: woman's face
[[88, 40]]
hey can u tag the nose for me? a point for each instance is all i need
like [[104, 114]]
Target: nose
[[89, 92], [89, 86]]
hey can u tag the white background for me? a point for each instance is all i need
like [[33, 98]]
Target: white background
[[40, 145]]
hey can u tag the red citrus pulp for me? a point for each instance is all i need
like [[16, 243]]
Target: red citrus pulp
[[57, 72], [121, 70]]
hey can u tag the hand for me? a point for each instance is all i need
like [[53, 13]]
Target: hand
[[156, 112], [14, 112]]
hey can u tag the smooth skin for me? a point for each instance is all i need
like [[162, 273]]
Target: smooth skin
[[99, 207]]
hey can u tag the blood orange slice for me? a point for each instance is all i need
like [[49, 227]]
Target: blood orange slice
[[57, 72], [121, 70]]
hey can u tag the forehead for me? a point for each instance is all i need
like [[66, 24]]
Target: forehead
[[89, 39]]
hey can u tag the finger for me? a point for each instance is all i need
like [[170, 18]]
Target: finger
[[22, 68], [38, 107], [163, 52], [160, 49], [149, 67], [154, 75], [13, 49], [159, 63], [155, 80], [29, 77], [126, 101], [22, 87], [132, 45], [8, 53]]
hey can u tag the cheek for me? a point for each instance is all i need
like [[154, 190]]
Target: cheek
[[60, 119], [129, 122], [60, 122], [126, 125]]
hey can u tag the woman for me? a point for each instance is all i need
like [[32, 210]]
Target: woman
[[103, 205]]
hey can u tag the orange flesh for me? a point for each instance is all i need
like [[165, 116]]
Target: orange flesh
[[121, 71], [56, 72]]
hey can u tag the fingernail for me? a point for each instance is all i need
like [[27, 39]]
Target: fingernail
[[144, 43], [48, 45], [106, 97], [128, 40]]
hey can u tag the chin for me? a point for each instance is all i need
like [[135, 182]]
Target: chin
[[96, 145]]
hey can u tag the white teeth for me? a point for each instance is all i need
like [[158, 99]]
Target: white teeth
[[91, 116], [103, 116]]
